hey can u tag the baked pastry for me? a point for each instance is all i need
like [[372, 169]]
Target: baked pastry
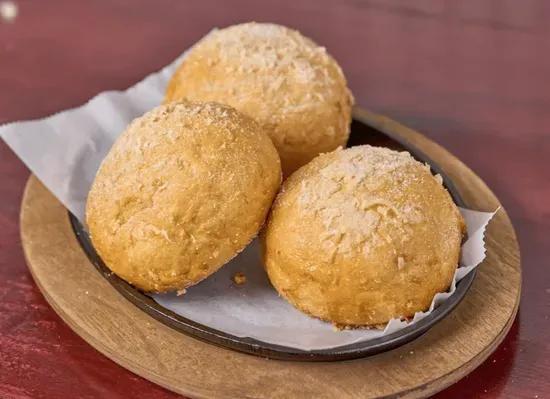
[[183, 190], [285, 81], [363, 235]]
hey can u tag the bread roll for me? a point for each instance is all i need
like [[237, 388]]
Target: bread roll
[[363, 235], [283, 80], [183, 190]]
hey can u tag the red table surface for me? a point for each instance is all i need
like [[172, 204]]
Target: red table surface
[[473, 75]]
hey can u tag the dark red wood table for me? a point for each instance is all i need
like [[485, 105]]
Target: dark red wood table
[[474, 75]]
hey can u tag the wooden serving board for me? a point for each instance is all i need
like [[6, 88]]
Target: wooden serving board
[[127, 335]]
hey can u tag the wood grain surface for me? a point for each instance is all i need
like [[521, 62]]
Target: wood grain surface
[[474, 75], [100, 314]]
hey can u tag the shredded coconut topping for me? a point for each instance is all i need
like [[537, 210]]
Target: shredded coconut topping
[[274, 58], [354, 198]]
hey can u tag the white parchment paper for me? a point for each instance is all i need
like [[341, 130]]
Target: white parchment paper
[[254, 309], [65, 150]]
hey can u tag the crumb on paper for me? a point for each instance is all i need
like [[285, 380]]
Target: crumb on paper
[[239, 278], [341, 327], [8, 11], [181, 292]]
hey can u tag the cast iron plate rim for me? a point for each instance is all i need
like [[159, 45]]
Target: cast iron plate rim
[[263, 349]]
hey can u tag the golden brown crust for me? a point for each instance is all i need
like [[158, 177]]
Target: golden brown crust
[[285, 81], [183, 190], [360, 236]]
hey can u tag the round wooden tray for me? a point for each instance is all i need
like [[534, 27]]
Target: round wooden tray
[[138, 342]]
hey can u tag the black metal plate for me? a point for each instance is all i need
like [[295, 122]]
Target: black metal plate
[[362, 132]]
